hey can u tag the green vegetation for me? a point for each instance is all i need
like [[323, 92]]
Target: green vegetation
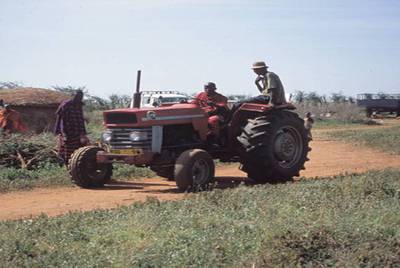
[[19, 179], [28, 161], [51, 175], [385, 139], [28, 151], [346, 221]]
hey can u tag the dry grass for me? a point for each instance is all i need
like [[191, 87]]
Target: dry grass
[[346, 112], [32, 96]]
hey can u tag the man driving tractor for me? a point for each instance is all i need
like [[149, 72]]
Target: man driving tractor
[[215, 105]]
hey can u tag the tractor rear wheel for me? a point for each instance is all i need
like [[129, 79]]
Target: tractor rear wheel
[[274, 147], [85, 171], [194, 170]]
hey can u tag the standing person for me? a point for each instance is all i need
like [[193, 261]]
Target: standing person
[[70, 126], [308, 123], [215, 105], [10, 120]]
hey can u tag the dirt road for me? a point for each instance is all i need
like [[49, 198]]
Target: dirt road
[[327, 158]]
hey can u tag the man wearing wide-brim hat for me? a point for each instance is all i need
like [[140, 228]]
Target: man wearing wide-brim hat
[[269, 84]]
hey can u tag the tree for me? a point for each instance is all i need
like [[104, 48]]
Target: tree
[[338, 97], [313, 98], [10, 85], [119, 101], [299, 96], [382, 95], [70, 90]]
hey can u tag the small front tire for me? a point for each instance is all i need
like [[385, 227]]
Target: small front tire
[[194, 170], [84, 169]]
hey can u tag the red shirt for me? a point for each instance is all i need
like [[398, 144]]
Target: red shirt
[[202, 100]]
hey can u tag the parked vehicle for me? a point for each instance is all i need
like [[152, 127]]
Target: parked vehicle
[[162, 98], [378, 103]]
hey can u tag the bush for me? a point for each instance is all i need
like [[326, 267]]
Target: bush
[[29, 152]]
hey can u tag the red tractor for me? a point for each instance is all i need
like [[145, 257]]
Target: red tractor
[[271, 144]]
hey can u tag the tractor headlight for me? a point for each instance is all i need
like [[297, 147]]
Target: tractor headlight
[[138, 136], [106, 136]]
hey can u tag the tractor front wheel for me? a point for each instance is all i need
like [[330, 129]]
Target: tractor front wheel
[[85, 171], [194, 170]]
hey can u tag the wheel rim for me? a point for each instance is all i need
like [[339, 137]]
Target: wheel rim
[[288, 146], [96, 171], [200, 172]]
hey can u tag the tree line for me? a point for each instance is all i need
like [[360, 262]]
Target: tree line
[[114, 101]]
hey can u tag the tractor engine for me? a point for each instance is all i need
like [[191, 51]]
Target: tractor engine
[[152, 132]]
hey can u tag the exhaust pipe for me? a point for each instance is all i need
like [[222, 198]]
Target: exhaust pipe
[[136, 98]]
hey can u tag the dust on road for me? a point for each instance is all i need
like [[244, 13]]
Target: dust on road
[[327, 158]]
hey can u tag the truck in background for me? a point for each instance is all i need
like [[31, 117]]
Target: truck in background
[[379, 103], [155, 98]]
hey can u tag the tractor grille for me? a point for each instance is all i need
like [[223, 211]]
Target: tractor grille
[[121, 118], [120, 139]]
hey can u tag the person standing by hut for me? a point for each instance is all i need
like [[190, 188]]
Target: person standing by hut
[[10, 120], [70, 126]]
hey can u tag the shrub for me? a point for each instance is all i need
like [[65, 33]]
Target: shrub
[[30, 152]]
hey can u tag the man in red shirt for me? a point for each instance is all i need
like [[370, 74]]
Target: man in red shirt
[[214, 104]]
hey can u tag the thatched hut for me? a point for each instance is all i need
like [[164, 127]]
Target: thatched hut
[[36, 105]]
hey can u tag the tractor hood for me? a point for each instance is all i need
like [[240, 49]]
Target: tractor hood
[[145, 117]]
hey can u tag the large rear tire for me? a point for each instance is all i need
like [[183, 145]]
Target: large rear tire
[[194, 170], [274, 147], [85, 171]]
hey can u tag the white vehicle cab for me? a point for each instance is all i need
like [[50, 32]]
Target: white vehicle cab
[[162, 98]]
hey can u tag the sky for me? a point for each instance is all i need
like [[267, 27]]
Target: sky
[[348, 46]]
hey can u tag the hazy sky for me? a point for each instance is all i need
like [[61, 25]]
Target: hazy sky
[[321, 45]]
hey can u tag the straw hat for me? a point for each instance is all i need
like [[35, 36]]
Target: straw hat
[[259, 65]]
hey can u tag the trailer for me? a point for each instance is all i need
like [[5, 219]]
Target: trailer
[[379, 103]]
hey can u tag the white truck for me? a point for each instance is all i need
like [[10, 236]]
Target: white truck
[[155, 98]]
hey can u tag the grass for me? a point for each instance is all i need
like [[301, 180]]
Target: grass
[[345, 221], [335, 123], [12, 179], [50, 175], [384, 139]]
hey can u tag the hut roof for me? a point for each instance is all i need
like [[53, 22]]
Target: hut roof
[[28, 96]]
